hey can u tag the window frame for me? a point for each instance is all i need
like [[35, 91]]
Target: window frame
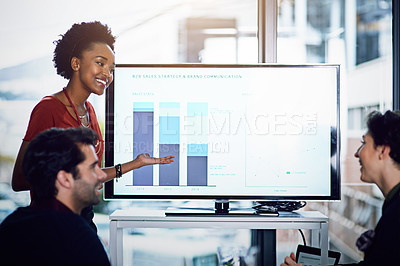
[[396, 54]]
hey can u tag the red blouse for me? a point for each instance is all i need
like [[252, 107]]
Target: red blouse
[[51, 112]]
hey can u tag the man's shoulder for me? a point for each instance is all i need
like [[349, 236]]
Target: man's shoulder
[[50, 233], [26, 217], [47, 223]]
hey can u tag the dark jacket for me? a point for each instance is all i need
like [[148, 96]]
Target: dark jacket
[[32, 236], [385, 246]]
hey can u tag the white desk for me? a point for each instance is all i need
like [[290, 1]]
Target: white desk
[[312, 220]]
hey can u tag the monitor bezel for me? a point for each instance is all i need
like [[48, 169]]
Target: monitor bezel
[[335, 180]]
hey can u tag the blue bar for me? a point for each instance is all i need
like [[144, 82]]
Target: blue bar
[[169, 173], [169, 138], [197, 170], [143, 107], [143, 123], [197, 149], [169, 105], [169, 130]]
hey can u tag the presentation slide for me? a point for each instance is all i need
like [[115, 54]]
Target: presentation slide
[[233, 131]]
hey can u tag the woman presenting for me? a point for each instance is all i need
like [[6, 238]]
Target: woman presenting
[[84, 56]]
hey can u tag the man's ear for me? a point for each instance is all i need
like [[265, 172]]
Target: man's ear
[[384, 151], [64, 179]]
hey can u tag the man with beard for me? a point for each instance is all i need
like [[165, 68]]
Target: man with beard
[[62, 169], [379, 156]]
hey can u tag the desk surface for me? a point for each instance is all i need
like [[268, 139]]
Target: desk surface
[[144, 218], [159, 215]]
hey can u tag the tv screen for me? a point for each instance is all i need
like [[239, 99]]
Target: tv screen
[[238, 132]]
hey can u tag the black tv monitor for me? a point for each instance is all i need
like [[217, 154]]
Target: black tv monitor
[[259, 132]]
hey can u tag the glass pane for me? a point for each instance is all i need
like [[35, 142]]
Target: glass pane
[[153, 31], [354, 34], [357, 34], [189, 32], [156, 31]]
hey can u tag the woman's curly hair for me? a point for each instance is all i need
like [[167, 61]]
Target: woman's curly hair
[[78, 38]]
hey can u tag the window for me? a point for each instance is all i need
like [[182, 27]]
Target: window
[[219, 31], [357, 34]]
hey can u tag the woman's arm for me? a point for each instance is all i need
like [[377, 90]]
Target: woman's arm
[[18, 181], [141, 160]]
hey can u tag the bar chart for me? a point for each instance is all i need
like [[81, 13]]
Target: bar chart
[[190, 167]]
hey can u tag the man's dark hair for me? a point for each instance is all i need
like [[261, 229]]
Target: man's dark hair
[[51, 151], [385, 130], [78, 38]]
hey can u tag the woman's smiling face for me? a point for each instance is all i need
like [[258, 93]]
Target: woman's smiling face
[[96, 68]]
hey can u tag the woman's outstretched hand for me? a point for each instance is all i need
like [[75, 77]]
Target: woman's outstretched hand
[[140, 161], [145, 159]]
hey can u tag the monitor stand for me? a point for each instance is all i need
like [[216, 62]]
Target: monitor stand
[[221, 208]]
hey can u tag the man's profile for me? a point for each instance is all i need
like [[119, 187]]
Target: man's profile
[[62, 169]]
